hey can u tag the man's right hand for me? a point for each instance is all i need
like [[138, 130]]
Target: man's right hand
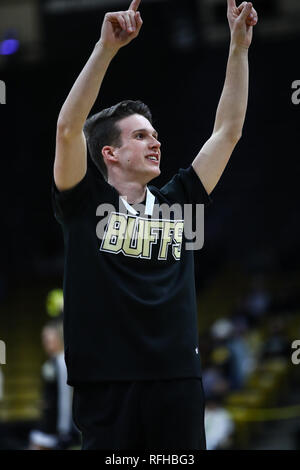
[[119, 28]]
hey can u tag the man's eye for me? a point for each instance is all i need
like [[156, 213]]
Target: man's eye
[[140, 136]]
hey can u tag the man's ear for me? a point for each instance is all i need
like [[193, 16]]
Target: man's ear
[[108, 154]]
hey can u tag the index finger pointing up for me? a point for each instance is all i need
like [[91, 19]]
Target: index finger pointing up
[[231, 4], [134, 5]]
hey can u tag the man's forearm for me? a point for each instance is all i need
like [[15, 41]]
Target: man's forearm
[[232, 106], [84, 92]]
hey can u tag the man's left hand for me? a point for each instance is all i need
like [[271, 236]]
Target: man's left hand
[[241, 20]]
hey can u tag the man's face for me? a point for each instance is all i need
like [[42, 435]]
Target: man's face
[[139, 154]]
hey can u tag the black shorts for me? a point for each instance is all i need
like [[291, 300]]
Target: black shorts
[[147, 415]]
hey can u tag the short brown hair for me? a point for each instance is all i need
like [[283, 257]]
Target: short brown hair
[[101, 129]]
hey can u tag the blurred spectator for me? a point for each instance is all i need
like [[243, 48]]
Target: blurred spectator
[[219, 426], [55, 430], [231, 345], [277, 343], [258, 301], [214, 380]]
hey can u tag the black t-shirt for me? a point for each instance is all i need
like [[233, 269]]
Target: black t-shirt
[[129, 290]]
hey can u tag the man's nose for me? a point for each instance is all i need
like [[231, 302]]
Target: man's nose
[[155, 143]]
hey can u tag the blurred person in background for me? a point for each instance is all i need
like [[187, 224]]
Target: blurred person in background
[[130, 319], [219, 425], [231, 345], [277, 343], [55, 429], [258, 301]]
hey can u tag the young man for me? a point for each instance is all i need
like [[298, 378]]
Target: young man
[[131, 340]]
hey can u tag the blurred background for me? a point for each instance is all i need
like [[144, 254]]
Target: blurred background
[[247, 273]]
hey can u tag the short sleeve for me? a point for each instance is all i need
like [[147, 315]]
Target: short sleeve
[[186, 188], [69, 203]]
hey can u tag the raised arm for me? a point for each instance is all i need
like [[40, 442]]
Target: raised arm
[[214, 155], [118, 29]]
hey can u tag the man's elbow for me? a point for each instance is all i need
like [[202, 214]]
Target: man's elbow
[[233, 135], [230, 134], [67, 130], [62, 128], [230, 131]]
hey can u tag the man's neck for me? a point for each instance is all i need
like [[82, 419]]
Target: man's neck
[[133, 191]]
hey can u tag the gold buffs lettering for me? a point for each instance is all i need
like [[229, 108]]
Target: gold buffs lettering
[[135, 236]]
